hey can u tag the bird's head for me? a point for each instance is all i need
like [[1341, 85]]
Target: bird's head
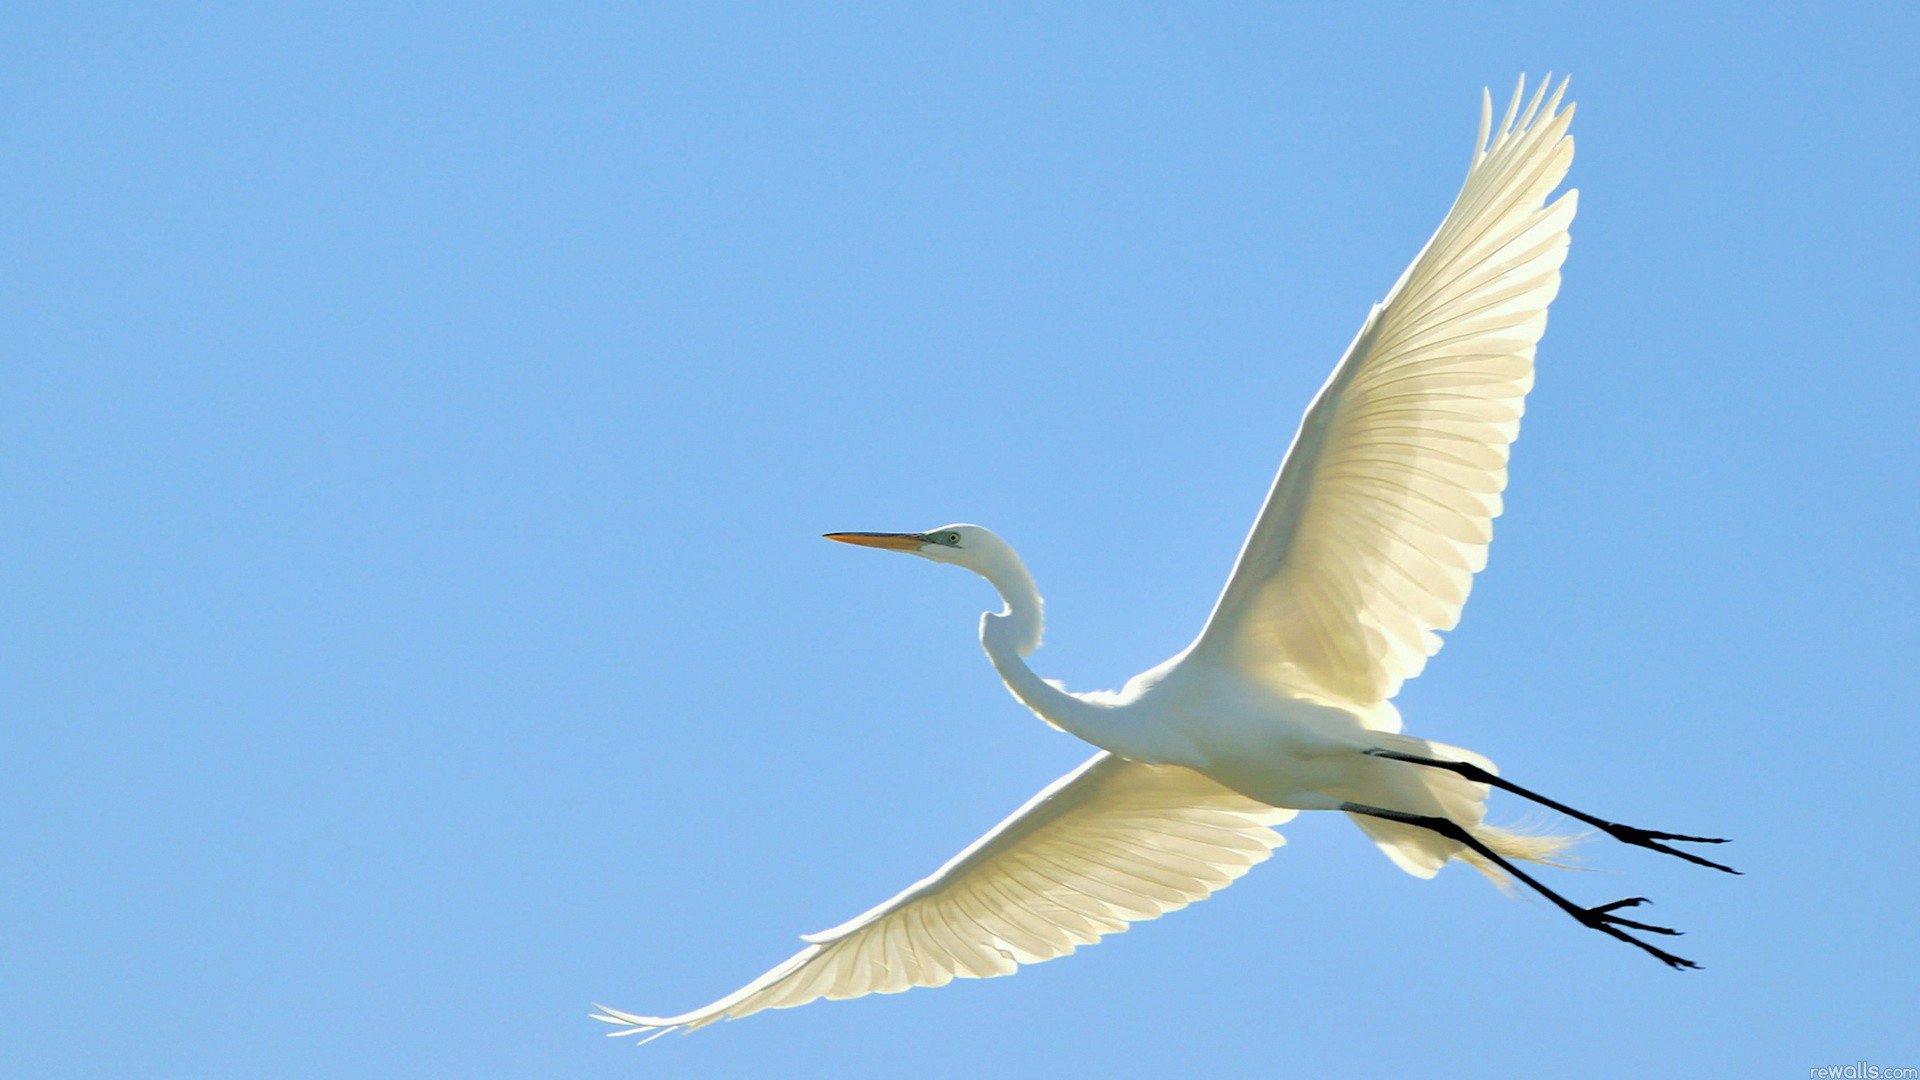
[[983, 552], [962, 545]]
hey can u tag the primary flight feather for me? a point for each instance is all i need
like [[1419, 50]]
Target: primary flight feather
[[1363, 553]]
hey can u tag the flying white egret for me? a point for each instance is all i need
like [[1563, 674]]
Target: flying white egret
[[1366, 547]]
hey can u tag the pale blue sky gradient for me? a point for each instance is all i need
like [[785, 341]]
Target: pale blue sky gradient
[[416, 430]]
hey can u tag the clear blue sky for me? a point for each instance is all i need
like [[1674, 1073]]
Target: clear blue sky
[[416, 430]]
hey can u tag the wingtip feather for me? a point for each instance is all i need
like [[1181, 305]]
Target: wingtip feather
[[1486, 129], [1513, 106], [1533, 105]]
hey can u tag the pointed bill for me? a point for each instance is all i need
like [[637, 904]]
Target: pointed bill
[[886, 541]]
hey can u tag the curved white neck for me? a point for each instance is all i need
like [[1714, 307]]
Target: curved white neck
[[1011, 634], [1018, 625]]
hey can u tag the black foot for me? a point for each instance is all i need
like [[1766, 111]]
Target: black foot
[[1602, 919], [1647, 838]]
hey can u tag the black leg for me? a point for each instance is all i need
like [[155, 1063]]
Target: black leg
[[1601, 918], [1646, 838]]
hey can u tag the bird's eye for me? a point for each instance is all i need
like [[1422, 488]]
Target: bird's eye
[[953, 538]]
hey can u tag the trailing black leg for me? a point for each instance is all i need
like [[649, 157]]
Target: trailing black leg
[[1601, 918], [1646, 838]]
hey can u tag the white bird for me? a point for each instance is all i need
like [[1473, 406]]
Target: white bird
[[1364, 550]]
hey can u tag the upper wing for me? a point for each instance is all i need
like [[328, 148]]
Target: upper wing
[[1383, 509], [1112, 842]]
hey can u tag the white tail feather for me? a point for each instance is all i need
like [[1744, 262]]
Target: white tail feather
[[1423, 789]]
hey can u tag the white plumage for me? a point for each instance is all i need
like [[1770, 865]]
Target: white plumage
[[1112, 842], [1362, 555], [1383, 511]]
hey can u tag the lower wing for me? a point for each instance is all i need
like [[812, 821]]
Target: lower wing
[[1111, 843]]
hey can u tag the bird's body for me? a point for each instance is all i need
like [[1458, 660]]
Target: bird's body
[[1362, 554], [1284, 747], [1268, 744]]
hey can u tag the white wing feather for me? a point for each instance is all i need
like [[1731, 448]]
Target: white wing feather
[[1111, 843], [1383, 510]]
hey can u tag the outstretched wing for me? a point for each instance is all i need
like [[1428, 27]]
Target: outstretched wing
[[1383, 509], [1111, 843]]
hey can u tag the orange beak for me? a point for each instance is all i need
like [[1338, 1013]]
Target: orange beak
[[887, 541]]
